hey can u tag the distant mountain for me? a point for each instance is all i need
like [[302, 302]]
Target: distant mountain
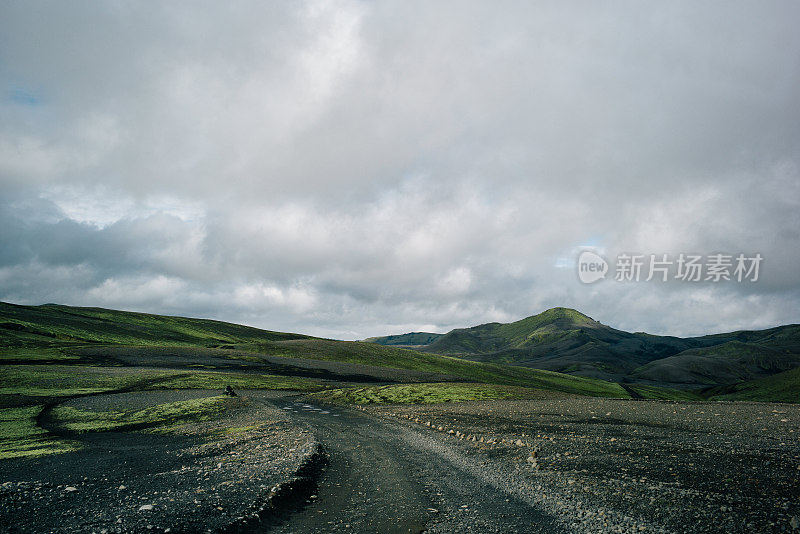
[[565, 340], [412, 339]]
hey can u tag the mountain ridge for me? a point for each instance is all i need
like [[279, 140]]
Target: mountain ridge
[[568, 341]]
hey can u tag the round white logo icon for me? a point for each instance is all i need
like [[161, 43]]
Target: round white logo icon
[[591, 267]]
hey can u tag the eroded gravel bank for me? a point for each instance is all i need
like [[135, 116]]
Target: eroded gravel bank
[[199, 477]]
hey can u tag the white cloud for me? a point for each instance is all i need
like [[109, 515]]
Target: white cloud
[[135, 291], [457, 281], [296, 299]]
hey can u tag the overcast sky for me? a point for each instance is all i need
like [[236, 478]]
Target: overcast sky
[[350, 169]]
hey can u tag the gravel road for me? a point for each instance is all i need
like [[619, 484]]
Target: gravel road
[[384, 477]]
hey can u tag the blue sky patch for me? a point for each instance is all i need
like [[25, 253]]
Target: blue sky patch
[[24, 97]]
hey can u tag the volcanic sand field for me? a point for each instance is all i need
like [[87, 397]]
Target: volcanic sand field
[[603, 464]]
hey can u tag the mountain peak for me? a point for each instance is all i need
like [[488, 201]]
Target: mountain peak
[[566, 313], [562, 316]]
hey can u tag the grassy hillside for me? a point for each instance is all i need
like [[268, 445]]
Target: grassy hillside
[[660, 393], [567, 341], [514, 354], [534, 329], [55, 325], [781, 387], [559, 339], [375, 355], [785, 337], [727, 363], [553, 324], [66, 332]]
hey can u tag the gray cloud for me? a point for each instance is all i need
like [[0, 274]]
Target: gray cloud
[[349, 169]]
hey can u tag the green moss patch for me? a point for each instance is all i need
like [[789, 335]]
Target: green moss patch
[[20, 437], [428, 393], [162, 417], [657, 393], [218, 380]]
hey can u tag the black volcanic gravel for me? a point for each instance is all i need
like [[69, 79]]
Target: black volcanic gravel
[[621, 465], [201, 477]]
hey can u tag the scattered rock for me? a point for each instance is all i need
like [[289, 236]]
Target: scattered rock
[[145, 507]]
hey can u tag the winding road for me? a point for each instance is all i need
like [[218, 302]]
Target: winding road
[[386, 478]]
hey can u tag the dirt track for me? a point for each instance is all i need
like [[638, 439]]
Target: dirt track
[[387, 478]]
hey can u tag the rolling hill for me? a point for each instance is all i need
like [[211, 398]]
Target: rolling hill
[[726, 363], [559, 349], [49, 324], [81, 336], [567, 341]]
